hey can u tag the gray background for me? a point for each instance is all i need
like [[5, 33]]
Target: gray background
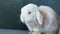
[[10, 11]]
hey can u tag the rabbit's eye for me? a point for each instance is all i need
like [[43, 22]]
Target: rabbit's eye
[[29, 13]]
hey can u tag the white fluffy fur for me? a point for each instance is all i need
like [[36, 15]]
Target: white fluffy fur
[[50, 19], [34, 20], [43, 16]]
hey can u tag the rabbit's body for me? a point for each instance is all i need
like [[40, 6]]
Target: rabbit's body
[[42, 19], [50, 19]]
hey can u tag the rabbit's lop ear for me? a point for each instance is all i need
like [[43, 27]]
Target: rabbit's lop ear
[[39, 17]]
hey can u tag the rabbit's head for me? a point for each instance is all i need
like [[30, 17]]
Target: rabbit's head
[[30, 13]]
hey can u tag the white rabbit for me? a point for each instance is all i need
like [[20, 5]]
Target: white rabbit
[[50, 19], [39, 19], [31, 16]]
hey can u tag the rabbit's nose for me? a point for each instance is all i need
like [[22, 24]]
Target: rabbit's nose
[[22, 18]]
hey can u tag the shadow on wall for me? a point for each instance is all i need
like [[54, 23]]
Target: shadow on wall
[[10, 11]]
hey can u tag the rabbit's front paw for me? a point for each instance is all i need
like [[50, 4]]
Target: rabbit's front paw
[[33, 33], [48, 33], [30, 33]]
